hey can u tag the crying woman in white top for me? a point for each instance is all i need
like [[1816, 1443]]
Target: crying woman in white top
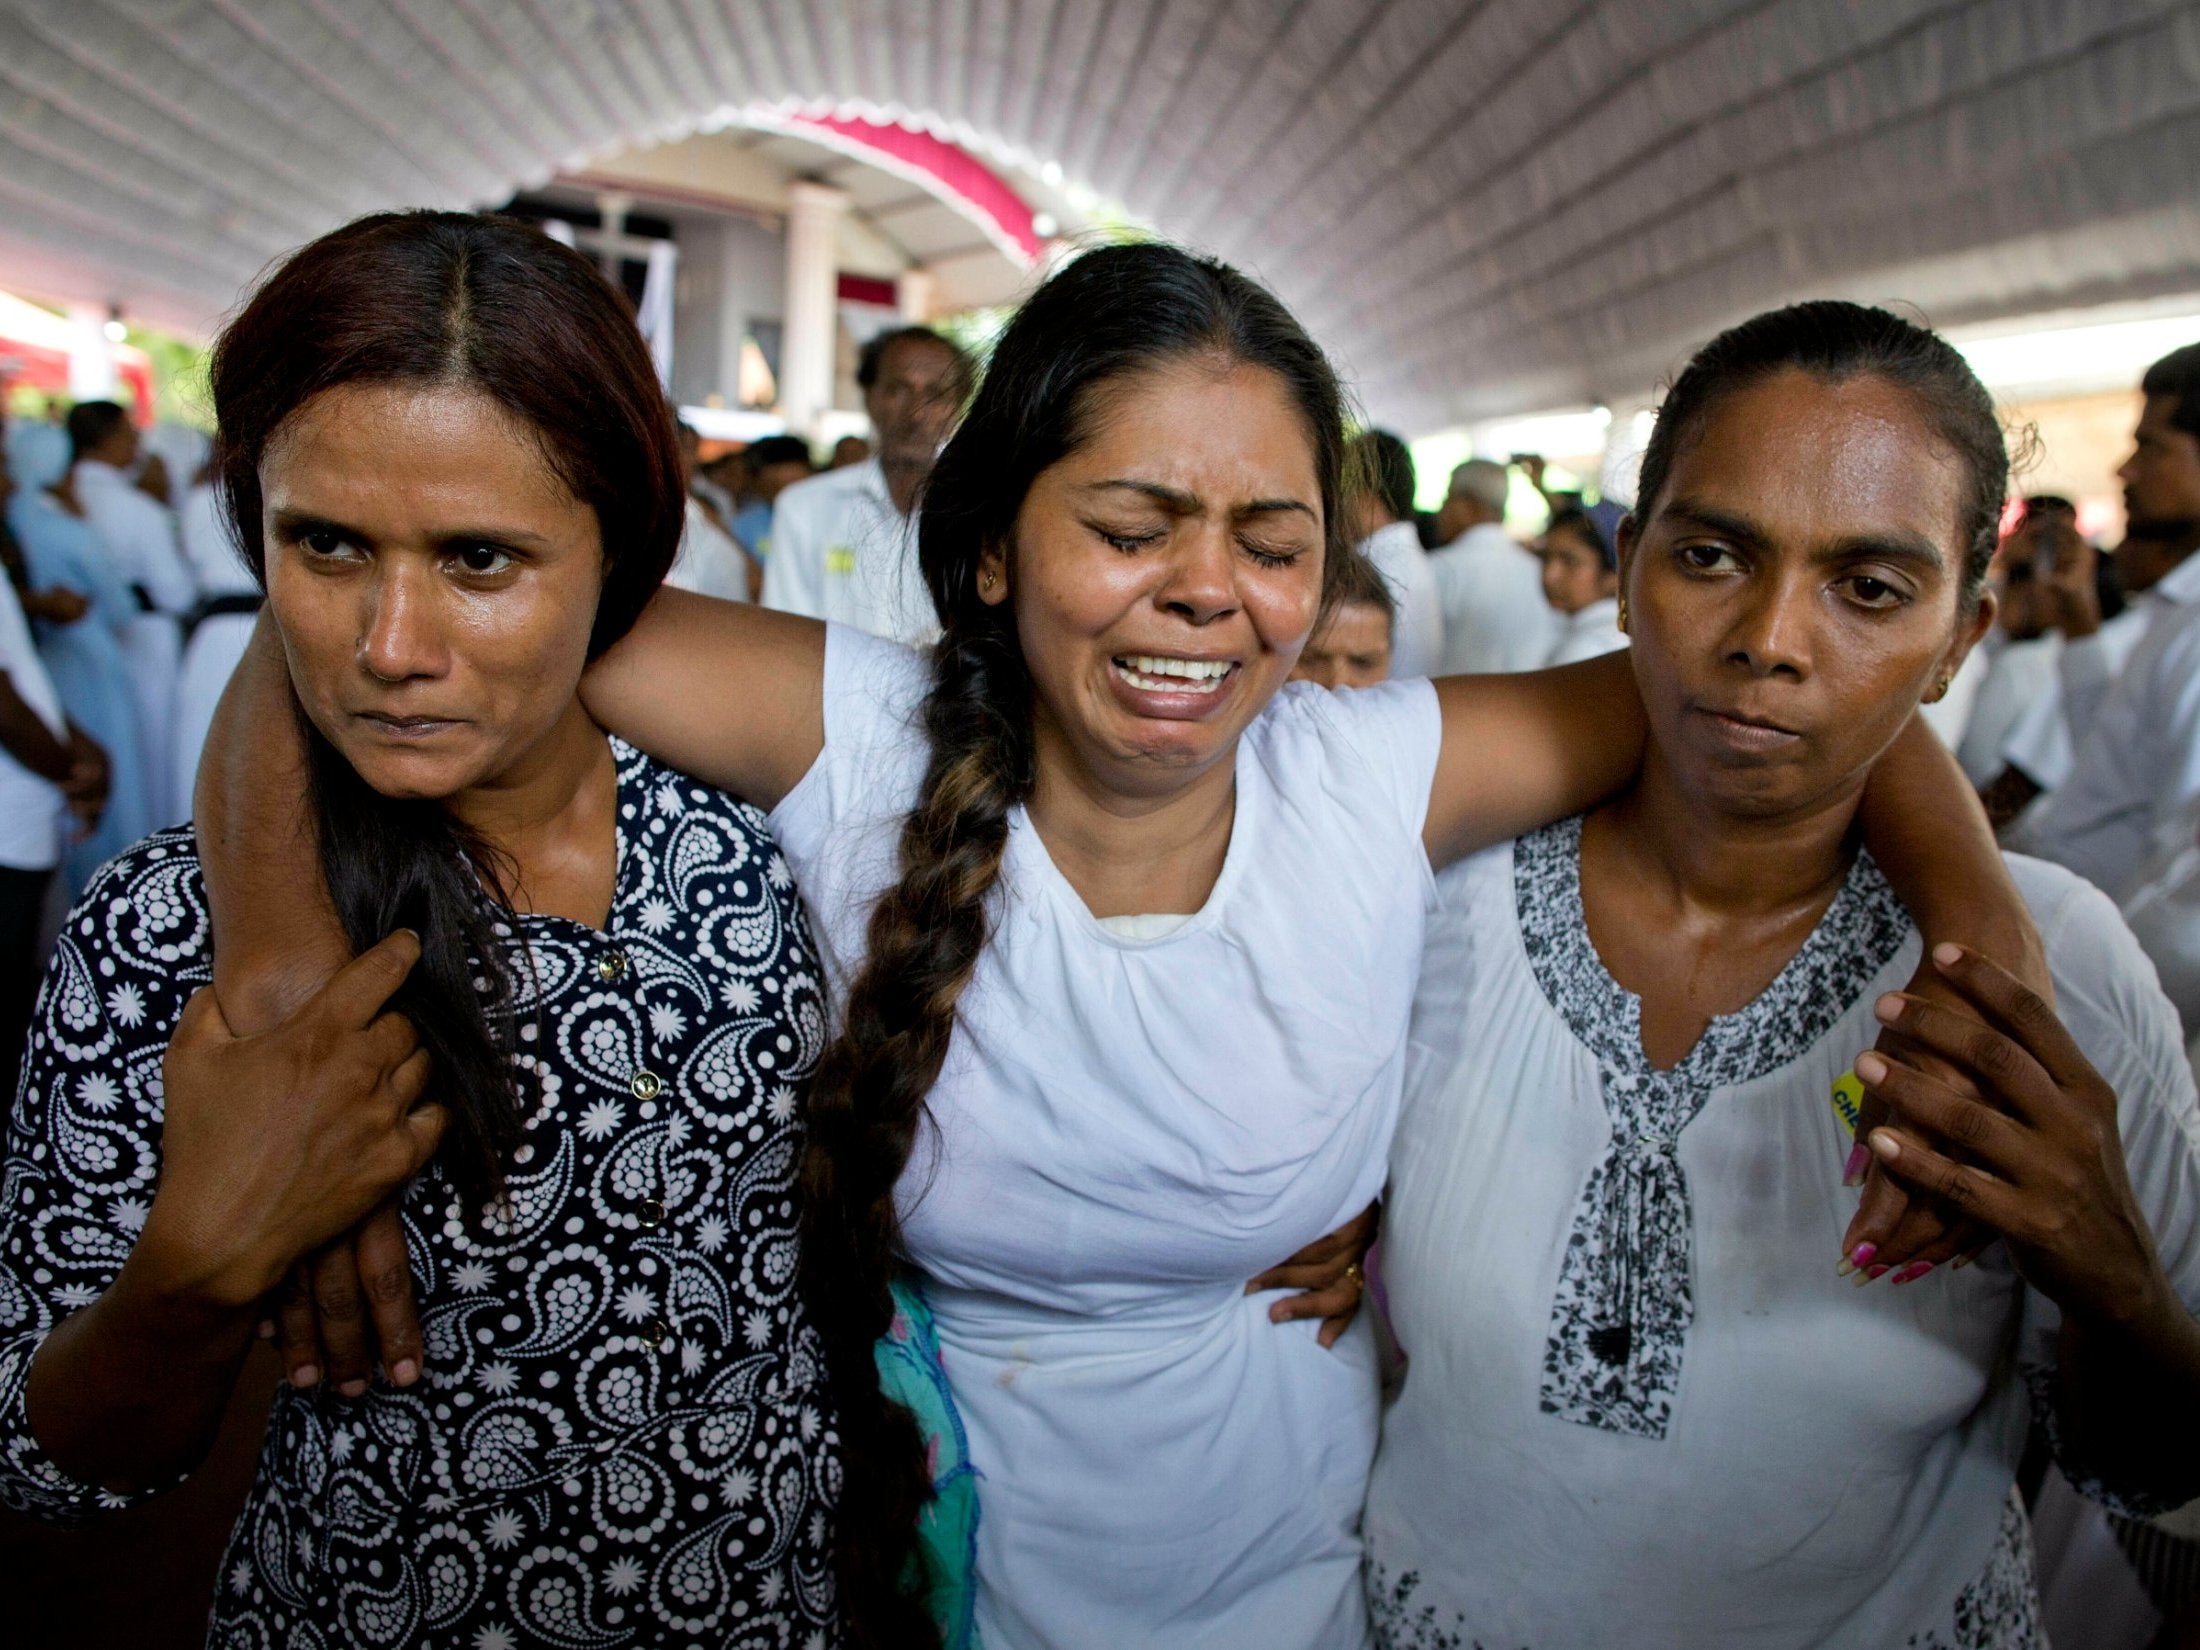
[[1124, 932]]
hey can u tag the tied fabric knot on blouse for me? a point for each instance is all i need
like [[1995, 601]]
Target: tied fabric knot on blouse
[[1625, 1294]]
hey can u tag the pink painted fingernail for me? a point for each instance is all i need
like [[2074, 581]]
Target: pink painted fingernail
[[1862, 1254], [1860, 1156], [1875, 1273], [1912, 1272]]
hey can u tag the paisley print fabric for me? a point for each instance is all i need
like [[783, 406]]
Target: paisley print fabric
[[1625, 1296], [623, 1436]]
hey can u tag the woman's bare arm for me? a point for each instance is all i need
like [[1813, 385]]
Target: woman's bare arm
[[1523, 750], [1925, 826], [276, 936], [732, 694]]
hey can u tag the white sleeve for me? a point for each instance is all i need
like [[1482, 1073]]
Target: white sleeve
[[840, 827], [2086, 674], [1418, 649], [1394, 732], [204, 536], [2039, 745], [157, 558], [794, 572], [2106, 994], [2164, 914], [2174, 710]]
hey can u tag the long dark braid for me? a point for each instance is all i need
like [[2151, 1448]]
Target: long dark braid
[[1108, 316]]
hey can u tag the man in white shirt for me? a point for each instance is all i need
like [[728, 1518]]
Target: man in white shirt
[[139, 535], [2106, 620], [1490, 589], [2136, 775], [844, 544], [1379, 513], [48, 769]]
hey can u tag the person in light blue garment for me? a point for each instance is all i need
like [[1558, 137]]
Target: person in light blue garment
[[85, 659]]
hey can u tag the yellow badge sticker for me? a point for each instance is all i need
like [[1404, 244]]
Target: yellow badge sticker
[[840, 559], [1848, 1101]]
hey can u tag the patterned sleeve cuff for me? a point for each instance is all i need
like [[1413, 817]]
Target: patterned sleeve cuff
[[31, 1483], [2130, 1500]]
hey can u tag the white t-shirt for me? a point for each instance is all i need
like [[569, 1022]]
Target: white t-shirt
[[2017, 674], [1417, 633], [1587, 634], [139, 534], [203, 530], [708, 561], [2038, 744], [30, 806], [1491, 592], [2137, 765], [842, 552], [1126, 1130], [1950, 715], [1640, 1409]]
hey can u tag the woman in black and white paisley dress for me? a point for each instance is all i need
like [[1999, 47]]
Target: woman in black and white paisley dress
[[619, 1339], [621, 1433]]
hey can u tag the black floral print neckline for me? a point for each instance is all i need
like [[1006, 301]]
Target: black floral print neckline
[[1625, 1296]]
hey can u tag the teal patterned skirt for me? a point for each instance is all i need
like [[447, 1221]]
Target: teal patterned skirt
[[947, 1534]]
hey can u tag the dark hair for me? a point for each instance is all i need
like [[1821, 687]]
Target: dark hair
[[1836, 341], [91, 423], [1360, 580], [493, 306], [1383, 467], [777, 449], [871, 359], [2177, 375], [1109, 317], [1584, 524]]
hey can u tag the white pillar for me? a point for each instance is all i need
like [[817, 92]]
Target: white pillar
[[91, 358], [812, 306], [916, 289]]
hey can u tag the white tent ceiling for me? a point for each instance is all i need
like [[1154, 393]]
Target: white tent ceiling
[[1480, 205]]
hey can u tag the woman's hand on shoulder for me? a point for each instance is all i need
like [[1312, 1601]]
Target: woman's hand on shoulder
[[2036, 1157], [1329, 1275], [271, 1145]]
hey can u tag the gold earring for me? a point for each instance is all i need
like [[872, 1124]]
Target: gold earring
[[1940, 689], [1623, 615], [991, 578]]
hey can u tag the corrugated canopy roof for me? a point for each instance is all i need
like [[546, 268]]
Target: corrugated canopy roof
[[1479, 206]]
